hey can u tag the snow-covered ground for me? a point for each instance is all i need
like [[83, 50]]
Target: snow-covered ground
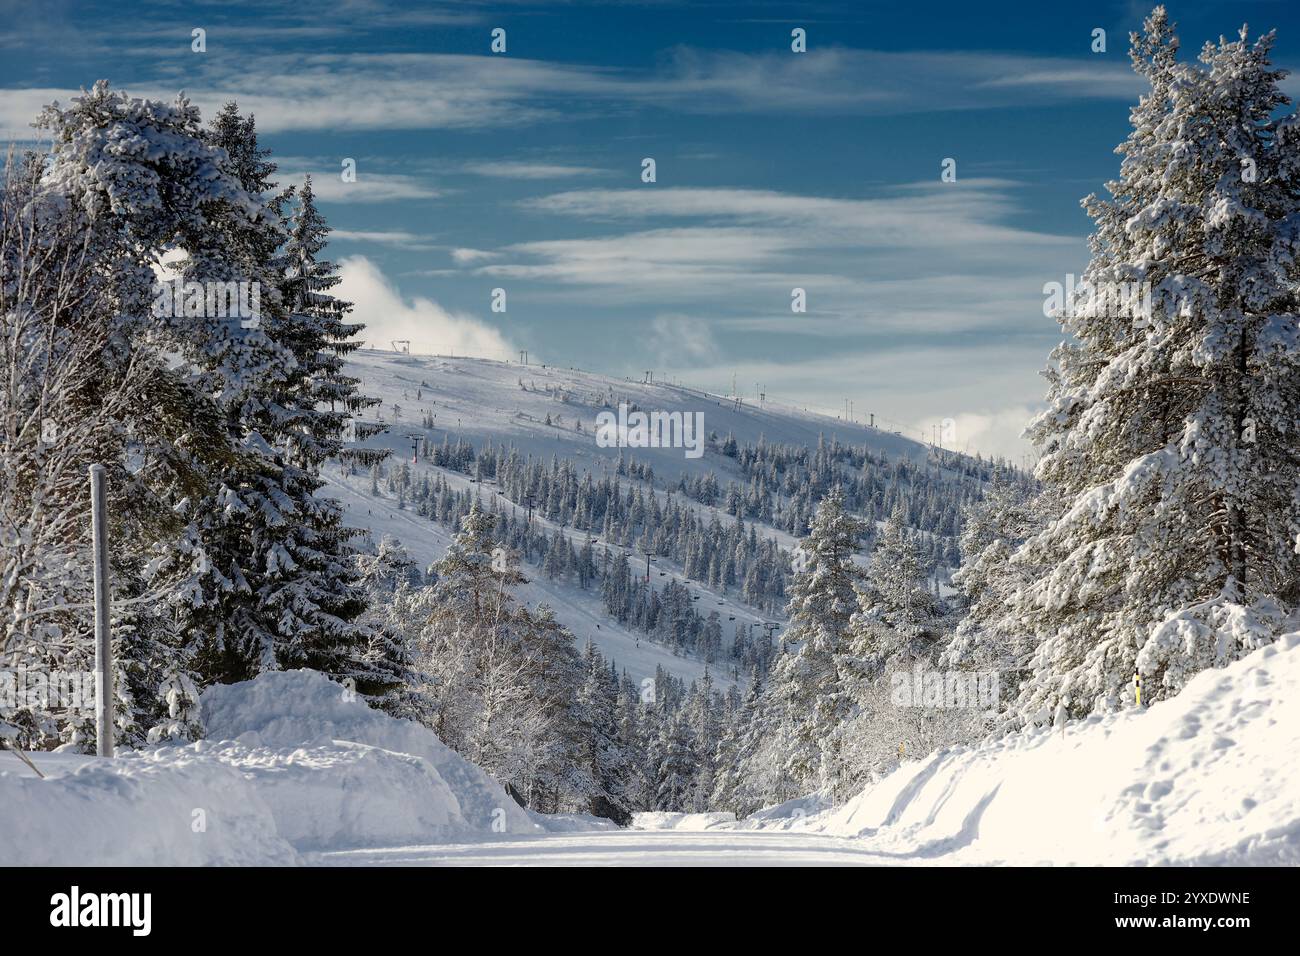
[[1209, 777], [295, 773], [626, 848], [580, 611], [292, 764], [481, 399]]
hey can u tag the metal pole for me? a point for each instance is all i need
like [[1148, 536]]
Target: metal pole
[[103, 645]]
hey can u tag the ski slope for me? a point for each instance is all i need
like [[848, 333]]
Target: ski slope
[[507, 404], [481, 399], [579, 611]]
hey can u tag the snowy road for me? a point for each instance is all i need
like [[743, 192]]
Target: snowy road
[[625, 848]]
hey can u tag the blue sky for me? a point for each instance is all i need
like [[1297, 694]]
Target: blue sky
[[775, 170]]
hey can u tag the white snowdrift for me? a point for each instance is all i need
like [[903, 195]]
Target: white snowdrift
[[1210, 777], [290, 709], [661, 820], [290, 766], [174, 806]]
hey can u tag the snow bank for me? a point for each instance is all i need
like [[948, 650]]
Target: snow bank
[[290, 766], [170, 807], [1209, 777], [341, 794], [683, 821], [294, 708], [791, 815]]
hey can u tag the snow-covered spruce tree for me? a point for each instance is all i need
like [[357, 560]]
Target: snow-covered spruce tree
[[897, 626], [674, 771], [633, 732], [321, 336], [993, 529], [1171, 433], [700, 709], [804, 686], [897, 588], [739, 741], [279, 580], [602, 755], [555, 781], [138, 180]]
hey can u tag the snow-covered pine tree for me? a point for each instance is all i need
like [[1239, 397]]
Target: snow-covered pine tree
[[322, 336], [738, 743], [896, 589], [1171, 432], [279, 582], [675, 768], [138, 180], [632, 732], [700, 707], [601, 752], [555, 674], [805, 681], [994, 528]]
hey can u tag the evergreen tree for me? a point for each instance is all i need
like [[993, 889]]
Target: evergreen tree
[[675, 765], [123, 383], [994, 529], [1170, 435], [279, 580], [805, 681], [602, 754], [896, 588]]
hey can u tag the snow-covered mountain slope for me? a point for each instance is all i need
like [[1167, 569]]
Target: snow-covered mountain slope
[[507, 404], [580, 611], [1209, 777], [482, 399]]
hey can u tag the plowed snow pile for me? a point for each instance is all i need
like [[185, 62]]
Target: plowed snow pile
[[291, 765], [1210, 777]]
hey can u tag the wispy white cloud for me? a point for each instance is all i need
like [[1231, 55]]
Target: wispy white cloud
[[368, 187], [342, 91], [531, 170], [398, 238], [879, 82], [464, 256], [683, 336], [933, 257], [915, 215]]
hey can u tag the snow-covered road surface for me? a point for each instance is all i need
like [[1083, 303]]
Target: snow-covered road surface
[[626, 848]]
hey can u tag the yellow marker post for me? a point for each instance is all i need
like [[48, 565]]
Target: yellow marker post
[[1137, 687]]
